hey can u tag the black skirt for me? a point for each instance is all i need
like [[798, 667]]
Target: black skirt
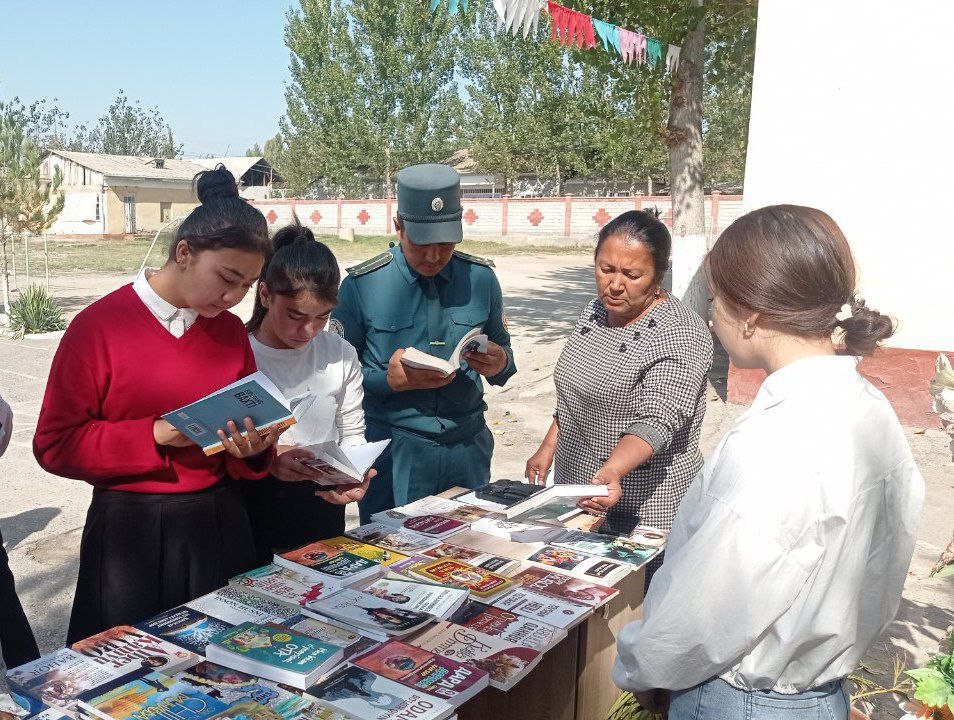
[[143, 553], [287, 515]]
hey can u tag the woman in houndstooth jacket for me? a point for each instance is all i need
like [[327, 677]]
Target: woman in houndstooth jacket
[[630, 385]]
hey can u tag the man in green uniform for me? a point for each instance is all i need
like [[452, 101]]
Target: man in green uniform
[[424, 294]]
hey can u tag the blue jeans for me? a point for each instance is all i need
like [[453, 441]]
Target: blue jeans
[[715, 699]]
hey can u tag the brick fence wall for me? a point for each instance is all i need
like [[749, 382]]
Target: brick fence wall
[[565, 220]]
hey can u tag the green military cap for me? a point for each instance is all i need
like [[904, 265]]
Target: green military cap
[[429, 203]]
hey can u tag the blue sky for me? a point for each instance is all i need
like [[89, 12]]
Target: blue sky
[[216, 70]]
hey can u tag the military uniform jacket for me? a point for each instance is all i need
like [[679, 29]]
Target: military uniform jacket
[[384, 305]]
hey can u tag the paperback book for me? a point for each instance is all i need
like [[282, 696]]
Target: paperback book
[[553, 492], [371, 616], [544, 608], [418, 669], [360, 693], [586, 567], [350, 641], [249, 710], [346, 568], [283, 585], [305, 557], [565, 587], [234, 606], [434, 505], [187, 628], [649, 536], [232, 686], [124, 650], [605, 546], [517, 531], [274, 652], [473, 341], [371, 552], [58, 679], [254, 396], [487, 561], [509, 627], [506, 664], [154, 696], [482, 584], [436, 526], [389, 538], [495, 545], [343, 466], [436, 600]]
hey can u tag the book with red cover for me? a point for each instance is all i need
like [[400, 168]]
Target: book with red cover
[[565, 587], [421, 670], [481, 583]]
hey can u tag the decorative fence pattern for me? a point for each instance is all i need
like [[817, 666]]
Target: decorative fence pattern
[[564, 220]]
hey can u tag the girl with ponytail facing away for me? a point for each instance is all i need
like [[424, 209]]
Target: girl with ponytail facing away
[[789, 552], [165, 524], [319, 373]]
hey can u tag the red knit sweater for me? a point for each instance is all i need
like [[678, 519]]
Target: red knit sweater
[[115, 372]]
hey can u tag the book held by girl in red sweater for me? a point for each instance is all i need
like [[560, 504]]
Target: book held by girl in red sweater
[[115, 373]]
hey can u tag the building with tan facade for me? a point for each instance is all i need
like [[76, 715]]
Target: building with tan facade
[[116, 195]]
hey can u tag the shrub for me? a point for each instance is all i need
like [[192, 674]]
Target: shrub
[[35, 312]]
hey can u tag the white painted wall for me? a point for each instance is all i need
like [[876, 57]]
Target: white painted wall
[[851, 108]]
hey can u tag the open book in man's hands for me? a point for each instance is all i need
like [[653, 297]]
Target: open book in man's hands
[[340, 466], [474, 341]]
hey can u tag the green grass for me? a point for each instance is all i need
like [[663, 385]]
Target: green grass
[[125, 256]]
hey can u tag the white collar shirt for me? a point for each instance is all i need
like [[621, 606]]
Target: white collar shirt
[[789, 552], [174, 319]]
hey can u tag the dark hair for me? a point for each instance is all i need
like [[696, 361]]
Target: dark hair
[[300, 263], [793, 266], [223, 220], [643, 226]]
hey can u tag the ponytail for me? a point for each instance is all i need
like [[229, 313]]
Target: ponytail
[[299, 264]]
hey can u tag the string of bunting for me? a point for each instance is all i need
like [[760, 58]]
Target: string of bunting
[[575, 28]]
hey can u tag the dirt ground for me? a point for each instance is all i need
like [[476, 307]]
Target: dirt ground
[[41, 516]]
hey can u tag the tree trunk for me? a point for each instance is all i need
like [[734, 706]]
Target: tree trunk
[[684, 139]]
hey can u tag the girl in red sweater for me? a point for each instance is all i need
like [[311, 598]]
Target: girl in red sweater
[[165, 524]]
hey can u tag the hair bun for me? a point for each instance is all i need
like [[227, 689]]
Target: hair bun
[[292, 233], [217, 184], [865, 328]]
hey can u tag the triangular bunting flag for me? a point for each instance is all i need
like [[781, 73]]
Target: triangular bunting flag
[[609, 34], [653, 51], [571, 27], [672, 58]]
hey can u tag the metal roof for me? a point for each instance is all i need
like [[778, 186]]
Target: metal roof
[[144, 167]]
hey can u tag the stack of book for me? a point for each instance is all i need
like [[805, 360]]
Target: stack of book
[[360, 693], [274, 652], [368, 615], [407, 616]]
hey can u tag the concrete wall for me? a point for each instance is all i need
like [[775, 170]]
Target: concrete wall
[[857, 99], [543, 221], [848, 99]]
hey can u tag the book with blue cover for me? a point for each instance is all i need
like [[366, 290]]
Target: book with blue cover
[[254, 396], [274, 652], [187, 628], [153, 697]]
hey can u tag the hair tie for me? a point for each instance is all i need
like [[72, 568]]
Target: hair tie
[[844, 313]]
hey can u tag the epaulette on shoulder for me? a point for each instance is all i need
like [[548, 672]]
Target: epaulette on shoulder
[[372, 264], [476, 259]]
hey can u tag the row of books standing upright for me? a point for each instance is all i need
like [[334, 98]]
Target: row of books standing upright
[[408, 616]]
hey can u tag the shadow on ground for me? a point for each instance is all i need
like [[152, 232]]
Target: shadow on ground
[[550, 303], [16, 528]]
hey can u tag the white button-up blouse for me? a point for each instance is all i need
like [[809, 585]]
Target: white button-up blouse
[[789, 552]]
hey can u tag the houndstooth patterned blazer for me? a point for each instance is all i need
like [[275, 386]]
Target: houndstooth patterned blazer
[[647, 379]]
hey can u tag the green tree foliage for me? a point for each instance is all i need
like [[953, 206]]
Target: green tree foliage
[[127, 128], [372, 89], [254, 151], [29, 203]]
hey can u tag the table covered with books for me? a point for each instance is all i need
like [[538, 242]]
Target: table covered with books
[[452, 606]]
